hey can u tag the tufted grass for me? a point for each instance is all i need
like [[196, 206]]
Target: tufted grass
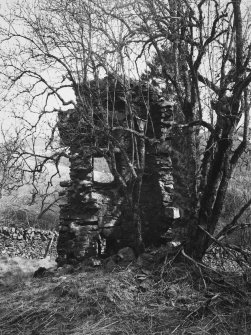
[[162, 300]]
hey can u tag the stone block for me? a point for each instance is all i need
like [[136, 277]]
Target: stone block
[[167, 198], [169, 188], [86, 184], [91, 206], [126, 255], [81, 230], [65, 183], [81, 175], [172, 212], [84, 218], [110, 224], [100, 198], [163, 148], [77, 230]]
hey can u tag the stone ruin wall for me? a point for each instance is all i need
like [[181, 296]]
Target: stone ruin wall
[[100, 223], [94, 217], [27, 242]]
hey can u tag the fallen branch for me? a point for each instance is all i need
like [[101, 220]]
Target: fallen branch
[[49, 246]]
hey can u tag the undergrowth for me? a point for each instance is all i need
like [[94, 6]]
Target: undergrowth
[[166, 299]]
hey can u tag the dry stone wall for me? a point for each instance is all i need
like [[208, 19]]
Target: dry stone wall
[[28, 243]]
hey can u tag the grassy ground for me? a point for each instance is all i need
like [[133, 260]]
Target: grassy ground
[[161, 299], [133, 300]]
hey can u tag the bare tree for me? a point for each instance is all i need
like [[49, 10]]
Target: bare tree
[[204, 56], [203, 50], [11, 166], [63, 47]]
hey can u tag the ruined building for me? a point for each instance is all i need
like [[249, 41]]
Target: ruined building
[[96, 219]]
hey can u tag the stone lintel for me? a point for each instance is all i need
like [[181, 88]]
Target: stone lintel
[[83, 226], [80, 218]]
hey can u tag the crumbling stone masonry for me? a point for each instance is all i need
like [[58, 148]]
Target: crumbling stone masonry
[[27, 242], [94, 219]]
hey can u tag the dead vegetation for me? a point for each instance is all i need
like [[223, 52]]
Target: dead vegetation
[[164, 298]]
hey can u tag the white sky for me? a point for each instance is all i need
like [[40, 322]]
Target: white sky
[[6, 112], [5, 115]]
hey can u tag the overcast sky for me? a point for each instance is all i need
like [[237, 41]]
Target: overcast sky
[[5, 116]]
